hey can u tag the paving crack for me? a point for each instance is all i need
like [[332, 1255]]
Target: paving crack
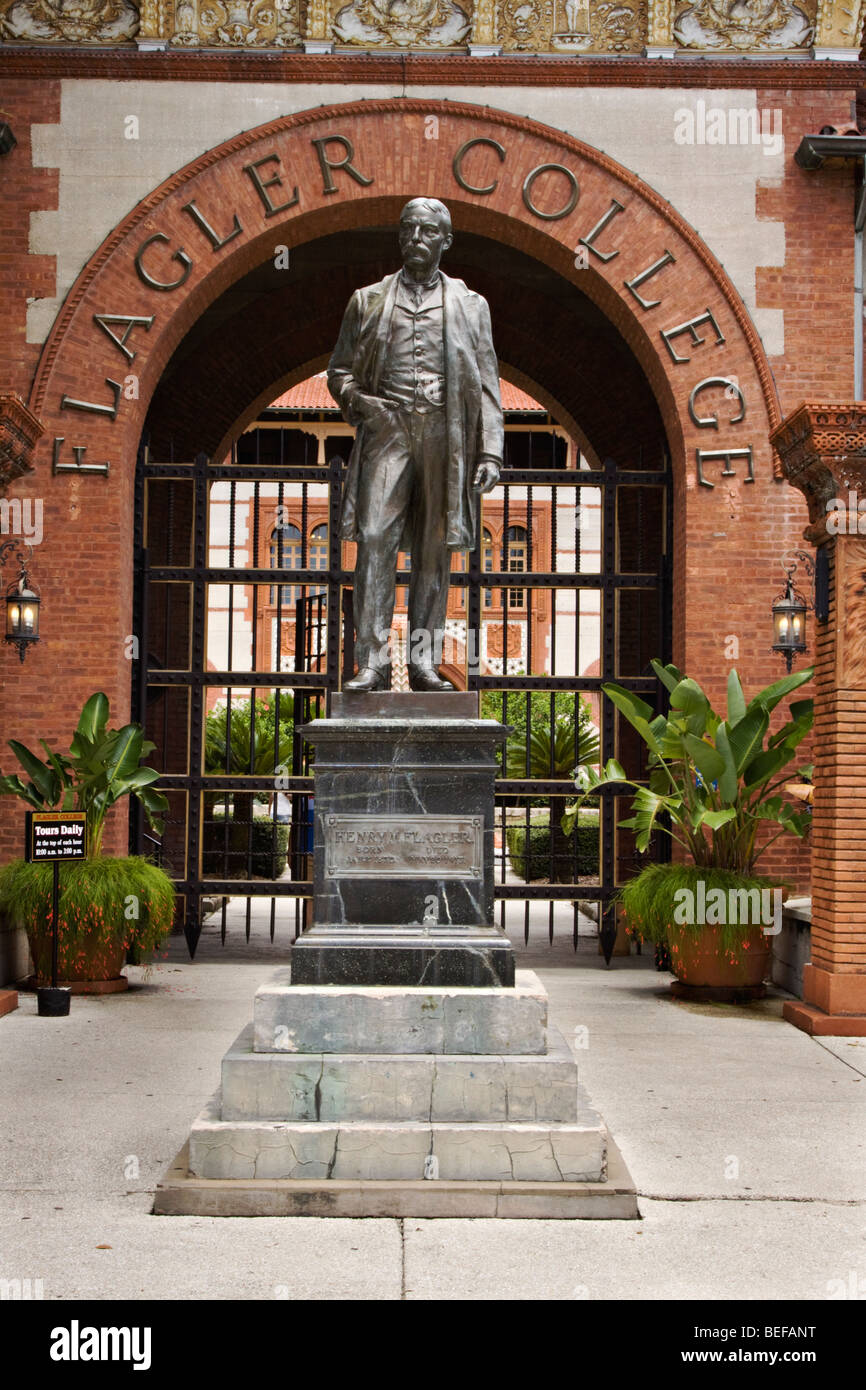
[[317, 1090], [844, 1060], [333, 1156], [749, 1197]]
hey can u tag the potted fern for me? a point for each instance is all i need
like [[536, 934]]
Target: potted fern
[[713, 784], [107, 905]]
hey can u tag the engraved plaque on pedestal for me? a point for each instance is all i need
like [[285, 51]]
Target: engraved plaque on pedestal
[[403, 846]]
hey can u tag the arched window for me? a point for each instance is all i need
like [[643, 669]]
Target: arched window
[[458, 566], [285, 554], [401, 594], [487, 563], [517, 548], [318, 554]]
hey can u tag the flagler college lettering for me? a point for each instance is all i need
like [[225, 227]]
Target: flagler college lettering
[[550, 192]]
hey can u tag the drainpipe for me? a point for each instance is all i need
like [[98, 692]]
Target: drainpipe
[[832, 149], [859, 221]]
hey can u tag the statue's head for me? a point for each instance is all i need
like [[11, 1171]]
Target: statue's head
[[425, 233]]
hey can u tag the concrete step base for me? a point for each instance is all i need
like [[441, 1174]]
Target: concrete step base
[[401, 1019], [332, 1086], [179, 1193], [408, 1150]]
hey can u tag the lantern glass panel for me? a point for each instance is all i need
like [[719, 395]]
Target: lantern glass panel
[[789, 623], [13, 617]]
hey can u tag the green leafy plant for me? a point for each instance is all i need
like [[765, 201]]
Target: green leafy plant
[[246, 741], [550, 730], [551, 753], [102, 766], [106, 906], [550, 756], [712, 782]]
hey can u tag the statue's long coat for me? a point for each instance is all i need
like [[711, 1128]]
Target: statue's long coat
[[472, 404]]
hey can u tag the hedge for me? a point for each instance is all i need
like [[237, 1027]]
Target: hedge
[[269, 850], [539, 851]]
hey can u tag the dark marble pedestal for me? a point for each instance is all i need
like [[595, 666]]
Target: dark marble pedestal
[[403, 849]]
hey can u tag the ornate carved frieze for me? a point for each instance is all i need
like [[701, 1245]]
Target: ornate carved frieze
[[513, 26], [526, 26], [743, 25], [69, 21], [851, 604], [572, 26], [234, 24], [19, 432], [402, 24]]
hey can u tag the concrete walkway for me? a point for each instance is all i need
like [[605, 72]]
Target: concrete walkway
[[747, 1140]]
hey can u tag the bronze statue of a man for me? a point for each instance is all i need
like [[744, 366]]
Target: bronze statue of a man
[[414, 369]]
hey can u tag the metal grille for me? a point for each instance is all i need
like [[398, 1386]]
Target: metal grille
[[243, 603]]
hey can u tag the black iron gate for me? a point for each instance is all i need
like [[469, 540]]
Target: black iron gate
[[243, 610]]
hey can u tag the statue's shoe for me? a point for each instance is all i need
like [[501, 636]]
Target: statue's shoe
[[369, 679], [425, 678]]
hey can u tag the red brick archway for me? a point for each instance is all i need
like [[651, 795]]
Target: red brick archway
[[342, 167], [281, 163]]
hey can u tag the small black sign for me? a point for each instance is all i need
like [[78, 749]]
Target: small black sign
[[55, 835]]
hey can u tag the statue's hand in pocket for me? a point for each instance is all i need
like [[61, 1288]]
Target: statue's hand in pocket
[[374, 409]]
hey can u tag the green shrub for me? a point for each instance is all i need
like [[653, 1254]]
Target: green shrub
[[536, 864], [269, 850], [102, 901], [649, 902]]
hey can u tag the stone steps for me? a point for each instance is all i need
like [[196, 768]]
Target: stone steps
[[180, 1193], [399, 1150], [329, 1087], [391, 1018]]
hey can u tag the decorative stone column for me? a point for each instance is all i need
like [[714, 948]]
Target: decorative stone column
[[660, 29], [822, 449], [483, 43], [837, 31], [318, 36]]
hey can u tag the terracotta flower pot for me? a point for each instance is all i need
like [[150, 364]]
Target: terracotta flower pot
[[92, 969], [700, 964]]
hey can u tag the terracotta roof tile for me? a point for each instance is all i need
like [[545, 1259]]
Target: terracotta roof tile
[[313, 394]]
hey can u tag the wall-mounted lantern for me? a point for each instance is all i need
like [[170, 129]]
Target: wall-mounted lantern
[[789, 610], [22, 601]]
